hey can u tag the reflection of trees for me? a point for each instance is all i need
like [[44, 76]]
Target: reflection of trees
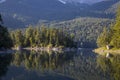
[[110, 65], [41, 60], [5, 60], [79, 66], [83, 67]]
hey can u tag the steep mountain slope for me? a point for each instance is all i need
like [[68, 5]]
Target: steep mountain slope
[[85, 30], [19, 13], [80, 1], [103, 5], [29, 11], [2, 1], [113, 8]]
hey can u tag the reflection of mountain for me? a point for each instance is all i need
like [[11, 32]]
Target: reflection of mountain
[[5, 61], [110, 65]]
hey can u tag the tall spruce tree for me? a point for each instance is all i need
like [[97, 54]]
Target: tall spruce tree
[[112, 35], [103, 39], [5, 40], [116, 31]]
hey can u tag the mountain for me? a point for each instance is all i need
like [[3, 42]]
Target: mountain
[[2, 1], [80, 1], [104, 5], [20, 13], [86, 30], [28, 11]]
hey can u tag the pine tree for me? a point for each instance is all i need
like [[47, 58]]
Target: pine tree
[[28, 36], [116, 31], [5, 40], [103, 39], [19, 38], [112, 35]]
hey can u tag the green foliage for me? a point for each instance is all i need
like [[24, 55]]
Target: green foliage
[[41, 60], [111, 36], [115, 41], [110, 65], [104, 38], [17, 38], [42, 37], [84, 30], [29, 36], [5, 40]]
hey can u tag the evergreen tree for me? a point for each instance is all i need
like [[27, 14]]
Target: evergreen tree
[[103, 39], [116, 31], [5, 40], [29, 36], [1, 19], [42, 37], [19, 38], [112, 35], [37, 36]]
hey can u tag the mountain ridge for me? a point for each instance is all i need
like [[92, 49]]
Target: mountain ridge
[[80, 1], [25, 12]]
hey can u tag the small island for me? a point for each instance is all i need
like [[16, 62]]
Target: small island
[[109, 39]]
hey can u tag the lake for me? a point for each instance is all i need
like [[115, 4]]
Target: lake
[[82, 64]]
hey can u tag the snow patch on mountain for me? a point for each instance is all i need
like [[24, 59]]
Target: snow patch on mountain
[[62, 1], [1, 1], [80, 1]]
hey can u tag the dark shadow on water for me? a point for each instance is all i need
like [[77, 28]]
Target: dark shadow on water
[[5, 60]]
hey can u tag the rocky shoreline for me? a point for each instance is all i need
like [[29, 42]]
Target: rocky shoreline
[[46, 49], [37, 49]]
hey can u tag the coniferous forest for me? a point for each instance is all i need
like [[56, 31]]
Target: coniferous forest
[[35, 37], [49, 36], [5, 39], [42, 37], [111, 36]]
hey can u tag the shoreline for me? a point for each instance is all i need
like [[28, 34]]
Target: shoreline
[[46, 49], [103, 50], [12, 50], [57, 49]]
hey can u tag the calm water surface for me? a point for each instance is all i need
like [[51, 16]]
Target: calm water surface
[[75, 65]]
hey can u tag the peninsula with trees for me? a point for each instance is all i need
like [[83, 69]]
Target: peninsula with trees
[[109, 39]]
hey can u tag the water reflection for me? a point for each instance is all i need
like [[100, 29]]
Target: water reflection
[[110, 65], [42, 60], [75, 65]]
